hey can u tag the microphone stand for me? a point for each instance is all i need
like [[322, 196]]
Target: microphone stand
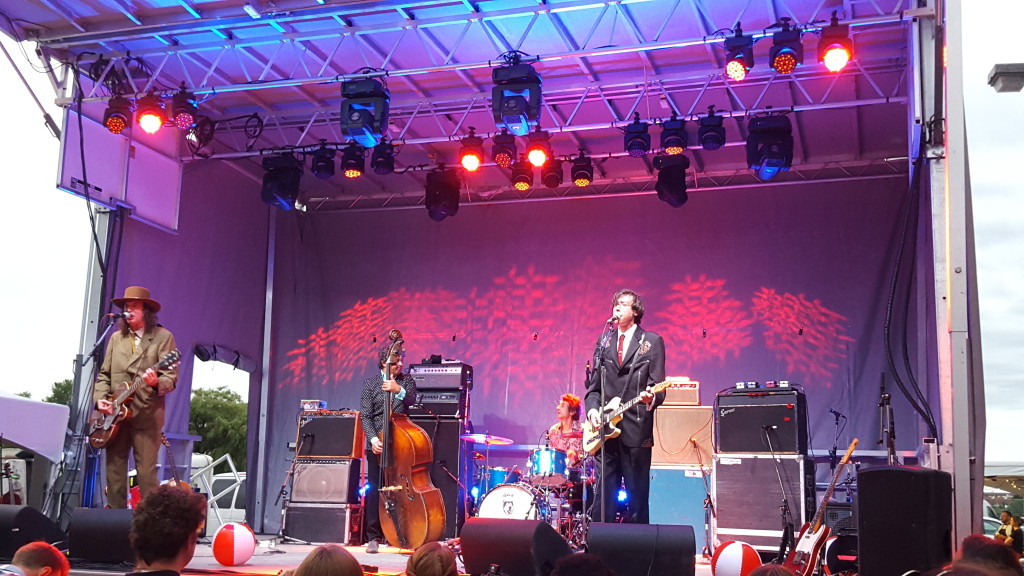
[[709, 504], [283, 493], [888, 425], [834, 451], [787, 514], [599, 357]]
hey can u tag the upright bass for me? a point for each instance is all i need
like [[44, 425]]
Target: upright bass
[[411, 508]]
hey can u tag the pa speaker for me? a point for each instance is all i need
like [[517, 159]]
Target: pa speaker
[[448, 468], [641, 549], [904, 519], [329, 434], [519, 547], [101, 535], [20, 525], [331, 482]]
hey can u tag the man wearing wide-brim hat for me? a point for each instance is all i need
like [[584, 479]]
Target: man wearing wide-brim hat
[[132, 353]]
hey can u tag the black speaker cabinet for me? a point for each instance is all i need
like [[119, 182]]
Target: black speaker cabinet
[[839, 518], [327, 482], [642, 549], [519, 547], [20, 525], [761, 421], [100, 535], [329, 434], [320, 523], [449, 464], [682, 436], [904, 519]]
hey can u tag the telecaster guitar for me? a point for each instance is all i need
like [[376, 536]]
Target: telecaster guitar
[[104, 426], [611, 415]]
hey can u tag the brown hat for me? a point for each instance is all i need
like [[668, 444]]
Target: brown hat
[[137, 293]]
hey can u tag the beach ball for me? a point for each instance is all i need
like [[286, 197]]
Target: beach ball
[[734, 559], [234, 544]]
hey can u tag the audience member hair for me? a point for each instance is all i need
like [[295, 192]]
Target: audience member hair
[[432, 559], [329, 560], [41, 559], [581, 565], [771, 569], [166, 522], [980, 551]]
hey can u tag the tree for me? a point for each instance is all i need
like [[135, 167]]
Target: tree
[[60, 393], [24, 394], [221, 418]]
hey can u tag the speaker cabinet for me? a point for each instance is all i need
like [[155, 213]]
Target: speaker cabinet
[[101, 535], [904, 519], [642, 549], [839, 518], [760, 421], [329, 434], [330, 482], [20, 525], [677, 498], [450, 463], [682, 436], [520, 547], [320, 523]]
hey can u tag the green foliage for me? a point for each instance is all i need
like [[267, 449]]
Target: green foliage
[[24, 394], [60, 393], [221, 418]]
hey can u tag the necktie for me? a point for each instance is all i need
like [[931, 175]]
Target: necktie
[[622, 340]]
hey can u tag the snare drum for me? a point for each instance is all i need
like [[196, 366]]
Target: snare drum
[[547, 467], [514, 501], [493, 476]]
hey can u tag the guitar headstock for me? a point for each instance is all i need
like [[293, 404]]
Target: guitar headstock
[[169, 360], [164, 440]]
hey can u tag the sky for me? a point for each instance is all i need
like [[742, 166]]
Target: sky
[[47, 238]]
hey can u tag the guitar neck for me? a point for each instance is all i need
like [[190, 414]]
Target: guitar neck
[[623, 407], [129, 391]]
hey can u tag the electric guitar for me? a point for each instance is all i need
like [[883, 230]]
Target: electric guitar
[[104, 426], [804, 556], [611, 414], [174, 481]]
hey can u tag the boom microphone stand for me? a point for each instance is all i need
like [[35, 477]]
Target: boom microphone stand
[[709, 504], [888, 425], [599, 358], [283, 493], [787, 514]]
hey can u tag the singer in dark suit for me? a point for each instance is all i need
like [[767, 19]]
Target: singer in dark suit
[[372, 404], [632, 359]]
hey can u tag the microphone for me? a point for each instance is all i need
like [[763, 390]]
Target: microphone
[[612, 320], [126, 315], [769, 427], [837, 413]]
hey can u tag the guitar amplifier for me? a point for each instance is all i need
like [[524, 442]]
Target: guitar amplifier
[[329, 434], [761, 420], [443, 403], [448, 376]]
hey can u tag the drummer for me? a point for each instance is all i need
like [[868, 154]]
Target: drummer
[[567, 434]]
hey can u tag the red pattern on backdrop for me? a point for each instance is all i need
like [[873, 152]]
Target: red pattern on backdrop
[[703, 323]]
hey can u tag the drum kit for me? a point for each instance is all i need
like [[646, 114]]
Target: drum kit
[[548, 489]]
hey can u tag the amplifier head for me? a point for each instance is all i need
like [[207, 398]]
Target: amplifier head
[[451, 375]]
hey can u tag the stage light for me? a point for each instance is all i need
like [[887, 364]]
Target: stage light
[[442, 199], [353, 161], [551, 173], [673, 136], [472, 153], [769, 145], [183, 109], [364, 112], [712, 131], [582, 170], [671, 185], [321, 162], [504, 150], [522, 174], [383, 159], [150, 113], [739, 55], [538, 148], [118, 115], [787, 52], [636, 140], [623, 495], [834, 47], [281, 182], [516, 96]]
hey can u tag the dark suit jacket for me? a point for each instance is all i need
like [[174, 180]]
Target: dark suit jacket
[[646, 356], [373, 401], [121, 365]]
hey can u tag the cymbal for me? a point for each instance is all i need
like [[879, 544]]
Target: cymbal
[[486, 439]]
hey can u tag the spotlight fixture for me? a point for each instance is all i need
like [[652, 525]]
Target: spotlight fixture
[[183, 109], [321, 163], [118, 115], [636, 140], [353, 161], [551, 173], [769, 145], [516, 96], [504, 150], [712, 131], [538, 149], [150, 113], [673, 136], [442, 199], [787, 52], [281, 182], [671, 185], [582, 170], [383, 159], [522, 174], [364, 111], [472, 153], [739, 55], [835, 49]]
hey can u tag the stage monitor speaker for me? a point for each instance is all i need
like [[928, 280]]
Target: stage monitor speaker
[[320, 523], [642, 549], [745, 421], [449, 465], [329, 434], [101, 535], [329, 482], [20, 525], [519, 547], [904, 519], [682, 436]]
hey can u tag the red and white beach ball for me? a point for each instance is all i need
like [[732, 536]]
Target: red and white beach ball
[[234, 544], [734, 559]]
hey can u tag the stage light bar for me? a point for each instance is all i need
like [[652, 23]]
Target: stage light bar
[[769, 145], [582, 170], [503, 152], [673, 136], [538, 149], [149, 112], [671, 184], [739, 55], [118, 115], [516, 97], [835, 49], [353, 161], [711, 133], [442, 193], [383, 159], [787, 52], [636, 140], [522, 174], [281, 182], [183, 109], [321, 162], [472, 153], [364, 112], [552, 173]]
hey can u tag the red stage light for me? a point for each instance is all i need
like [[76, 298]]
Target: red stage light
[[784, 62], [836, 57]]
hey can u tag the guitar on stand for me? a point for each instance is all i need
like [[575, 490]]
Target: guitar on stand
[[611, 414], [103, 427], [174, 481], [811, 541]]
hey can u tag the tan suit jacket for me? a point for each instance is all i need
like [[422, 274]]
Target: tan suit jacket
[[121, 365]]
